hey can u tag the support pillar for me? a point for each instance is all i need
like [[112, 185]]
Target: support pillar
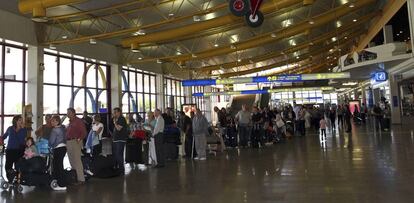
[[363, 96], [160, 92], [395, 100], [188, 93], [388, 34], [208, 104], [35, 84], [116, 86]]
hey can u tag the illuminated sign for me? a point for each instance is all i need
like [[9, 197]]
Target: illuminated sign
[[264, 79], [380, 76], [262, 91]]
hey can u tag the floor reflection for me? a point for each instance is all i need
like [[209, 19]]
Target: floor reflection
[[362, 166]]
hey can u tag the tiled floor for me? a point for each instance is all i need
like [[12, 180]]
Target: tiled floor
[[366, 166]]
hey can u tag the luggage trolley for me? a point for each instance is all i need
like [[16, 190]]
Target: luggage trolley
[[4, 184], [249, 9]]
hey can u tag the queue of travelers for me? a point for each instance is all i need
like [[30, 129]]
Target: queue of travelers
[[160, 134]]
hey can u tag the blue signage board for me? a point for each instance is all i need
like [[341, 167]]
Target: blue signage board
[[380, 76], [205, 82]]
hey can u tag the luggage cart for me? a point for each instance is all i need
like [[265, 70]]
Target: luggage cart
[[4, 184], [249, 9]]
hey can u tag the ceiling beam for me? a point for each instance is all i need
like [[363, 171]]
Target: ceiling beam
[[267, 38], [314, 41], [389, 10], [195, 27]]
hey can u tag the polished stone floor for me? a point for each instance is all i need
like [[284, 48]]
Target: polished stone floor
[[366, 166]]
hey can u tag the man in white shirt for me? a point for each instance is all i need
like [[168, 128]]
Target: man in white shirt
[[243, 119], [159, 138]]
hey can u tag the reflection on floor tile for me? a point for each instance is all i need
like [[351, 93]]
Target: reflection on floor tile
[[362, 166]]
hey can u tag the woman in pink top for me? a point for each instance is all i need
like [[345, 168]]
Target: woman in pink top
[[322, 125]]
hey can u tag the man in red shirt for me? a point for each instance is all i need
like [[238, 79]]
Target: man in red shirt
[[75, 133]]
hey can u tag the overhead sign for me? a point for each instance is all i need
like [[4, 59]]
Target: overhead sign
[[265, 79], [380, 76], [200, 94]]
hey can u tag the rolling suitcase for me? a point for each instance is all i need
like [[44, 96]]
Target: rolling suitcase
[[103, 167], [133, 152], [171, 151]]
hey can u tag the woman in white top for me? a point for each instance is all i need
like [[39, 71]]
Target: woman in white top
[[97, 127], [150, 125]]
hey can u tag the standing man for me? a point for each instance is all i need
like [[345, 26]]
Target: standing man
[[243, 120], [187, 128], [120, 135], [200, 130], [44, 130], [159, 138], [75, 133]]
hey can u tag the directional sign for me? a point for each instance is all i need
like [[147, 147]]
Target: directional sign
[[264, 79]]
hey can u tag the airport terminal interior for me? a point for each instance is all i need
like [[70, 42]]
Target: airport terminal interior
[[206, 101]]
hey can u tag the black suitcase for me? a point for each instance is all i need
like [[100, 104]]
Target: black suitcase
[[70, 176], [103, 167], [171, 151], [133, 152], [35, 179]]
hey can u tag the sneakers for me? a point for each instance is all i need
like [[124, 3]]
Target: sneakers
[[89, 172], [58, 188], [203, 159]]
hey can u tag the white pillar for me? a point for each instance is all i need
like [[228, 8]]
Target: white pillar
[[116, 86], [395, 100], [35, 84], [388, 34], [188, 93], [160, 92], [207, 104], [363, 96]]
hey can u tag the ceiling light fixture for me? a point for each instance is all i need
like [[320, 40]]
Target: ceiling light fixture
[[159, 61], [171, 14], [196, 18], [139, 58], [273, 35], [232, 46], [52, 46], [64, 37], [238, 60], [193, 55], [354, 20], [40, 19], [216, 45], [139, 33], [92, 41], [352, 5], [311, 22]]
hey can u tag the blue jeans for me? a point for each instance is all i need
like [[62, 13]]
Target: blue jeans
[[118, 153]]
